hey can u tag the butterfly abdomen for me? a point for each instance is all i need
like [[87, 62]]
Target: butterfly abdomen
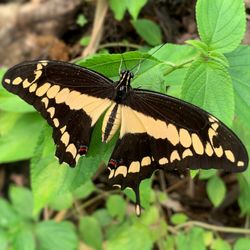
[[111, 122]]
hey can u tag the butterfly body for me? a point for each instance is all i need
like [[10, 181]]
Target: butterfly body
[[156, 131]]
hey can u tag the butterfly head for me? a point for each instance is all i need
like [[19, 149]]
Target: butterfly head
[[125, 78]]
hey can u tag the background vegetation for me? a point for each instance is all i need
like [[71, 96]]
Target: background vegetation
[[45, 206]]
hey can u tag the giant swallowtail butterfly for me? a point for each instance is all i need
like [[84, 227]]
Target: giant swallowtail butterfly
[[156, 131]]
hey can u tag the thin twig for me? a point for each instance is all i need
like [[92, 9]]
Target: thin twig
[[119, 44], [215, 228]]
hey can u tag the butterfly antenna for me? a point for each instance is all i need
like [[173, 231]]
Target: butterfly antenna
[[148, 55], [124, 61]]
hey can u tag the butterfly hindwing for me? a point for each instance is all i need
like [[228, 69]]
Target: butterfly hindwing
[[159, 131], [69, 97]]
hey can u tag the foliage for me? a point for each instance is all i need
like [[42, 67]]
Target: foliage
[[212, 73]]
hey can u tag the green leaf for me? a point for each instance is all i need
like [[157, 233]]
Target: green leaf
[[220, 244], [81, 20], [216, 190], [3, 240], [22, 201], [24, 240], [206, 174], [221, 24], [244, 199], [131, 238], [91, 232], [239, 62], [61, 201], [116, 206], [52, 235], [8, 217], [242, 244], [134, 7], [178, 218], [16, 130], [84, 190], [118, 7], [208, 85], [103, 217], [148, 30], [201, 46], [194, 240]]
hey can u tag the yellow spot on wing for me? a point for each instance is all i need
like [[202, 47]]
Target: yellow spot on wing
[[52, 92], [62, 95], [56, 122], [134, 167], [240, 164], [32, 88], [146, 161], [185, 138], [43, 89], [121, 170], [17, 81], [209, 150], [72, 149], [45, 100], [197, 144], [63, 129], [187, 153], [26, 83], [230, 156], [218, 151], [173, 135], [174, 156], [7, 81], [163, 161], [65, 138], [215, 126], [111, 173], [51, 111]]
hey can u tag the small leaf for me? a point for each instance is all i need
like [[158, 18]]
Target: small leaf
[[90, 232], [134, 7], [130, 237], [216, 190], [22, 201], [81, 20], [116, 206], [61, 201], [178, 218], [201, 46], [8, 217], [52, 235], [242, 244], [16, 130], [103, 217], [24, 240], [84, 190], [202, 89], [221, 24], [3, 240], [148, 30], [118, 7], [244, 199], [220, 244], [205, 174]]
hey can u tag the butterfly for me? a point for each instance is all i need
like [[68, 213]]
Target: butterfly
[[156, 131]]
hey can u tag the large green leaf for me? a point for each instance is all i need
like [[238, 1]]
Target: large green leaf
[[208, 85], [24, 240], [52, 235], [148, 30], [91, 232], [8, 217], [239, 61], [19, 133], [221, 23], [22, 201]]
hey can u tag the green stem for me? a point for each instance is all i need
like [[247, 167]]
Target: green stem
[[108, 45], [176, 66]]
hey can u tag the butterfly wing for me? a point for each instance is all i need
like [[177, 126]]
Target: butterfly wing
[[159, 131], [69, 97]]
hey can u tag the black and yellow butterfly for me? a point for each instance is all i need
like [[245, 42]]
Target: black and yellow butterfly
[[156, 131]]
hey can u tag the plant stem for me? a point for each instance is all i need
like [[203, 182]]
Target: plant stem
[[177, 66]]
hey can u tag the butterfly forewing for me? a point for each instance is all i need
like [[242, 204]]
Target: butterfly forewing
[[69, 97]]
